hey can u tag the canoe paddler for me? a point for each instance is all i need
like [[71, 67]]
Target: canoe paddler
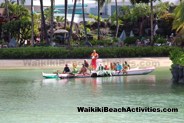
[[83, 70], [66, 69], [126, 66], [75, 70], [119, 67]]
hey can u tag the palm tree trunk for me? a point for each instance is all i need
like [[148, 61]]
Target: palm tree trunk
[[117, 23], [151, 4], [8, 17], [43, 23], [71, 25], [66, 7], [32, 24], [52, 20], [17, 2], [98, 19], [84, 21]]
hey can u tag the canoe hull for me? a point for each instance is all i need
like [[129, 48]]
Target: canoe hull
[[101, 73], [49, 75], [134, 72]]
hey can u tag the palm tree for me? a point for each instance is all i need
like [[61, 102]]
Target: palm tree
[[151, 16], [32, 24], [43, 23], [8, 16], [152, 30], [117, 24], [178, 23], [98, 19], [52, 20], [7, 10], [101, 3], [22, 1], [84, 22], [66, 7], [71, 24]]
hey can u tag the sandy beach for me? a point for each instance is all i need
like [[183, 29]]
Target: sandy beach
[[59, 63]]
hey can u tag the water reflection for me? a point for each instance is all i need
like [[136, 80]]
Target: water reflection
[[54, 81], [123, 79], [102, 80], [97, 85]]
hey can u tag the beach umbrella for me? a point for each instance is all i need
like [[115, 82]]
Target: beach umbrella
[[122, 36], [131, 34], [155, 29]]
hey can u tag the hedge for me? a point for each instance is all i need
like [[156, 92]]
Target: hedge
[[177, 57], [82, 52]]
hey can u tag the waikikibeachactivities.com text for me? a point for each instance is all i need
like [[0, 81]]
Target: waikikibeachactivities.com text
[[125, 109]]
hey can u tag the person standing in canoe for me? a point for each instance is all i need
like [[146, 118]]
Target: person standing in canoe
[[94, 57]]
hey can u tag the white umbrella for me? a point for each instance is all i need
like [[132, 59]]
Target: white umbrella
[[122, 36], [155, 29], [131, 34]]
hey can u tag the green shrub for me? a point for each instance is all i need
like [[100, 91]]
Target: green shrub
[[159, 39], [84, 52], [130, 40], [177, 56], [102, 42]]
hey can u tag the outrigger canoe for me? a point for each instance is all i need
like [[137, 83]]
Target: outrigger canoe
[[103, 73]]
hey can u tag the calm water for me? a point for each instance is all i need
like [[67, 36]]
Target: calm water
[[25, 97]]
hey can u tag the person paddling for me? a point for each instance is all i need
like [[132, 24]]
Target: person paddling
[[126, 66], [83, 70], [66, 69]]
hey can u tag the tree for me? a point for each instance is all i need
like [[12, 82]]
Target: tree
[[66, 8], [16, 27], [84, 22], [43, 23], [138, 13], [22, 2], [178, 23], [101, 3], [16, 12], [32, 24], [52, 20], [117, 24], [8, 16], [151, 15], [71, 24]]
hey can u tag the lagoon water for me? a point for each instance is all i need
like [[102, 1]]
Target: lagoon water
[[25, 97]]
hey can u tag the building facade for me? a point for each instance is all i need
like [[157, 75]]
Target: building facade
[[91, 7]]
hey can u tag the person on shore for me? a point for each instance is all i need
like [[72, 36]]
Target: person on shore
[[126, 66], [66, 69], [83, 70], [94, 57]]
